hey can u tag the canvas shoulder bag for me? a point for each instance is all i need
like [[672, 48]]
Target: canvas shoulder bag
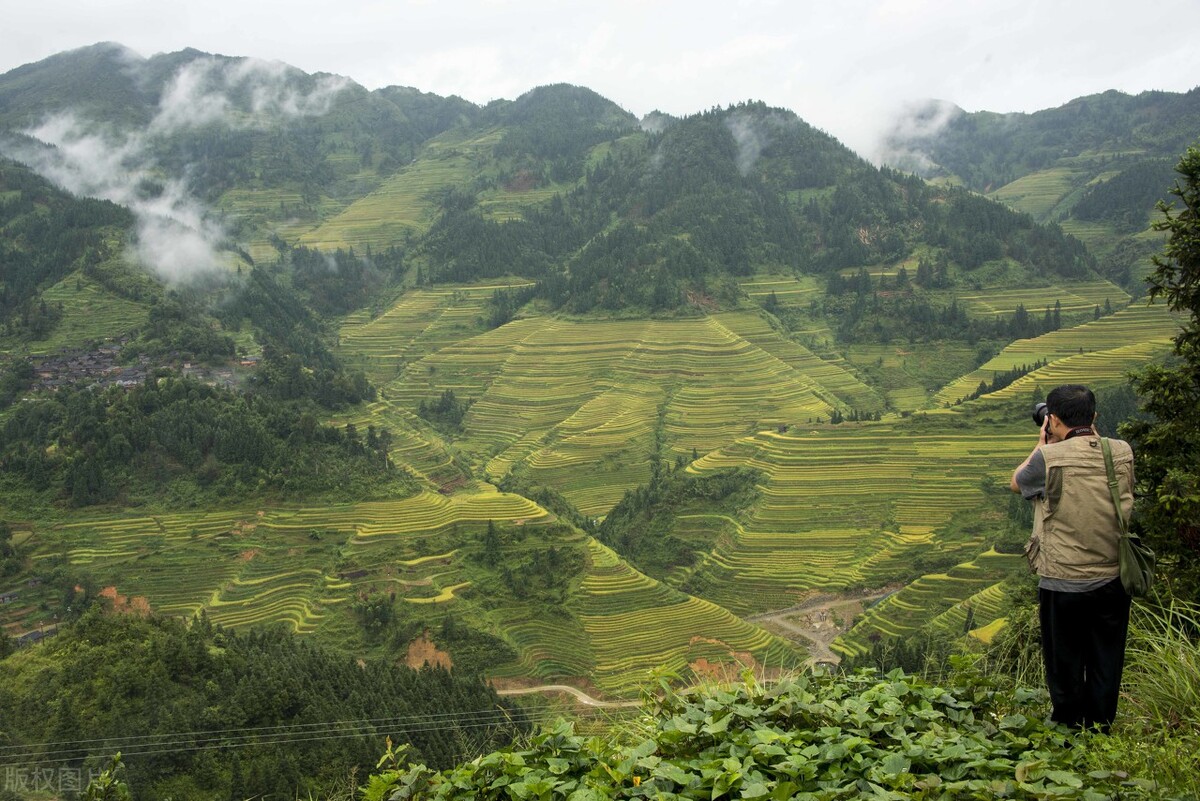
[[1135, 557]]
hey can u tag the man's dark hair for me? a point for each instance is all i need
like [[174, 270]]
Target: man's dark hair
[[1074, 404]]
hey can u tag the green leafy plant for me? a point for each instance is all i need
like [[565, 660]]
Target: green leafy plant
[[803, 737], [106, 786]]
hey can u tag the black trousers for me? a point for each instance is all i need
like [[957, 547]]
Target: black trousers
[[1083, 644]]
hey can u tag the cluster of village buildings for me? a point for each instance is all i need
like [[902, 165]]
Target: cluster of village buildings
[[101, 367]]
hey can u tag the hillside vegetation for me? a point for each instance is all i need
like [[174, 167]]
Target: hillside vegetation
[[173, 697]]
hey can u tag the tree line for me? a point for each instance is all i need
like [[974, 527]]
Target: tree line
[[661, 219], [178, 438], [271, 710]]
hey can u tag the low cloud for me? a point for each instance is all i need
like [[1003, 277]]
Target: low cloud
[[906, 142], [751, 138], [248, 93], [656, 122], [176, 235]]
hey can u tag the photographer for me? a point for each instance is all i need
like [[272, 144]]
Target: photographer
[[1083, 608]]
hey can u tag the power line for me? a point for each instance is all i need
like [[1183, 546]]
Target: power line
[[150, 745], [246, 731]]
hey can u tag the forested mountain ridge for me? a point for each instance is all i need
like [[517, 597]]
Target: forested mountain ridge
[[583, 189], [1096, 165], [987, 149]]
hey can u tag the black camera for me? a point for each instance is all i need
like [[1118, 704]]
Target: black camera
[[1039, 414]]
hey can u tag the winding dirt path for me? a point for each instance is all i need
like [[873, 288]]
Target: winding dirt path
[[818, 621], [580, 695]]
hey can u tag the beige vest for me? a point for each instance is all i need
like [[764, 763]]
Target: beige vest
[[1075, 528]]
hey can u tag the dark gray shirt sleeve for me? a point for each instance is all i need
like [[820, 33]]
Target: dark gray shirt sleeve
[[1031, 480]]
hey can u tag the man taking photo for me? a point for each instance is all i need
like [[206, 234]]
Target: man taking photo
[[1083, 608]]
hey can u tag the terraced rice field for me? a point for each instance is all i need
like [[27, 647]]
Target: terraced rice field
[[576, 404], [977, 612], [908, 373], [259, 209], [789, 290], [1038, 193], [1099, 238], [1074, 298], [246, 567], [421, 321], [551, 643], [836, 377], [505, 205], [91, 313], [1108, 348], [939, 601], [637, 625], [405, 203], [841, 507], [415, 447]]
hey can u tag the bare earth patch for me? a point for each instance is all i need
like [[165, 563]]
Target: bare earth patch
[[137, 605], [423, 650]]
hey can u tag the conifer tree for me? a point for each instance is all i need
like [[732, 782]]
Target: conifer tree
[[1168, 445]]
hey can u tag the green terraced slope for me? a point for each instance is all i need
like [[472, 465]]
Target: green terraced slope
[[1040, 193], [843, 507], [419, 322], [91, 313], [938, 601], [1097, 352], [638, 625], [415, 446], [405, 203], [247, 566], [576, 404], [1074, 298]]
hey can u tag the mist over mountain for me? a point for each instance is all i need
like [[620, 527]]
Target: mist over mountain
[[192, 144], [986, 150]]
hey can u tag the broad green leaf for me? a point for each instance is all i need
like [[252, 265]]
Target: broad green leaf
[[1017, 721], [894, 764], [755, 790]]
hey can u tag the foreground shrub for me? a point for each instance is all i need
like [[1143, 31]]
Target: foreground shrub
[[807, 737]]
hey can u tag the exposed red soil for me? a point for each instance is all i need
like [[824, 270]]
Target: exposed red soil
[[423, 651], [137, 605]]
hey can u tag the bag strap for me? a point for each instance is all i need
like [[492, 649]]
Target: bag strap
[[1113, 486]]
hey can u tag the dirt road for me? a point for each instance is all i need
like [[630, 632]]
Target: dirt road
[[580, 695], [815, 623], [818, 621]]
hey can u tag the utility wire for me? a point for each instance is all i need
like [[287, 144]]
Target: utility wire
[[151, 746], [246, 731]]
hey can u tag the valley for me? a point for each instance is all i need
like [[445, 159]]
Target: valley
[[587, 408], [622, 402]]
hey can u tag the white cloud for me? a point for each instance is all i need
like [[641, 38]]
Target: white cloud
[[176, 236], [842, 66]]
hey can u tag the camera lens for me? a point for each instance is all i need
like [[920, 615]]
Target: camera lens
[[1039, 414]]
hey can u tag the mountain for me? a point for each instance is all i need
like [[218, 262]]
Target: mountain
[[1096, 165], [987, 150], [534, 388]]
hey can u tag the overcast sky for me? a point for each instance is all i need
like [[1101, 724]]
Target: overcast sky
[[843, 65]]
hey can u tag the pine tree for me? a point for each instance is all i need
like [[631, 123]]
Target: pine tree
[[1168, 445]]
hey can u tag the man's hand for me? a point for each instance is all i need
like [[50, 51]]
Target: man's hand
[[1045, 437]]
